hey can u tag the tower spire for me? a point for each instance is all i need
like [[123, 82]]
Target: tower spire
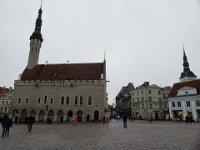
[[186, 75], [38, 25], [35, 41]]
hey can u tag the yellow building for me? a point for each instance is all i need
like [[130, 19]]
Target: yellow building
[[147, 102]]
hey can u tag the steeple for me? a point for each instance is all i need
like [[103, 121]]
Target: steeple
[[186, 75], [35, 41], [38, 24]]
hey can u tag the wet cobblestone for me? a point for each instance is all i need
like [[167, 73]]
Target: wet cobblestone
[[95, 136]]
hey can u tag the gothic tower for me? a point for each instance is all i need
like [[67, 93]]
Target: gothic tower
[[186, 75], [35, 42]]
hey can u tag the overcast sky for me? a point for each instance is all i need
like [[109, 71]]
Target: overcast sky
[[142, 38]]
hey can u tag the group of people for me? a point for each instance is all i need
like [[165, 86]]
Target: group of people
[[22, 119], [189, 119], [106, 119], [6, 124]]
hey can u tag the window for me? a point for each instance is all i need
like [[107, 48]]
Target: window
[[173, 104], [142, 92], [26, 100], [2, 102], [160, 105], [165, 104], [138, 100], [149, 91], [81, 100], [150, 105], [6, 102], [138, 105], [158, 92], [76, 100], [188, 103], [179, 104], [51, 100], [198, 102], [38, 100], [159, 99], [45, 99], [90, 100], [150, 99], [142, 99], [62, 100], [19, 100], [142, 105], [67, 100]]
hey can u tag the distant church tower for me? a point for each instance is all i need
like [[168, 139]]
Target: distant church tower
[[35, 42], [186, 75]]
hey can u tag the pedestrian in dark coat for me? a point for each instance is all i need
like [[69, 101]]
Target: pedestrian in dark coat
[[30, 123], [16, 119], [8, 126], [125, 121], [4, 123]]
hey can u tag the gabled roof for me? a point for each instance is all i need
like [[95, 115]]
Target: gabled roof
[[82, 71], [177, 86]]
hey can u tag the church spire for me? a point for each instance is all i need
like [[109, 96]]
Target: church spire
[[186, 75], [38, 25]]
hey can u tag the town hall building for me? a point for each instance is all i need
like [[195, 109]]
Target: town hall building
[[59, 91]]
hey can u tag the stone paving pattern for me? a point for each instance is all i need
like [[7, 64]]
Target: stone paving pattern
[[139, 135]]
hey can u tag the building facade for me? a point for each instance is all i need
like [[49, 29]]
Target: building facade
[[184, 97], [6, 96], [59, 91], [184, 100], [165, 93], [123, 101], [147, 102]]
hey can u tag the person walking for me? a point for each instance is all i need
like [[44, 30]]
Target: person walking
[[16, 119], [75, 120], [30, 123], [10, 122], [4, 124], [125, 121], [104, 119]]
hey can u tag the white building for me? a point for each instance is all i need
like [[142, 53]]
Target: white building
[[6, 95], [184, 97], [184, 100]]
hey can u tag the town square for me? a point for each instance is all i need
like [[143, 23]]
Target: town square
[[139, 135], [93, 75]]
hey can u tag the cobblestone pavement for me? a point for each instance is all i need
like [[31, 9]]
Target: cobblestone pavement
[[95, 136]]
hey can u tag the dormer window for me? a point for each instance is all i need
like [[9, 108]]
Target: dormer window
[[186, 91]]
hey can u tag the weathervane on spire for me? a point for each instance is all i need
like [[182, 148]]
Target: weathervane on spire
[[183, 47], [41, 4], [104, 54]]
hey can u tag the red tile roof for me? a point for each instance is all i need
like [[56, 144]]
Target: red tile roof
[[4, 90], [86, 71], [177, 86]]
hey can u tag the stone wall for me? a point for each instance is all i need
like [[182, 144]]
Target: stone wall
[[30, 91]]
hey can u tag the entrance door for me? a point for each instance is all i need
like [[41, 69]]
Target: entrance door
[[96, 115], [156, 116], [88, 118]]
